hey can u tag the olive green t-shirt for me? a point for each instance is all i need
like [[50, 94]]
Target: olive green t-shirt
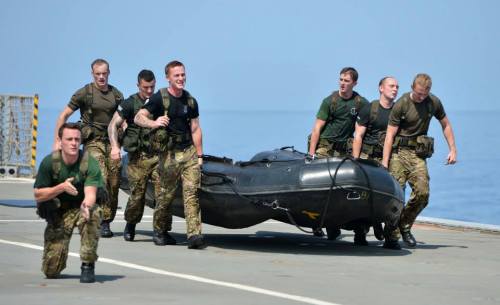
[[339, 125], [44, 177], [417, 116], [104, 104]]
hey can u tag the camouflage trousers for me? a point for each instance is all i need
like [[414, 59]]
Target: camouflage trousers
[[326, 150], [58, 235], [110, 169], [143, 167], [182, 166], [405, 166], [365, 156]]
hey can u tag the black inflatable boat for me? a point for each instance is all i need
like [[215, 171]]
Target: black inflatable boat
[[286, 185]]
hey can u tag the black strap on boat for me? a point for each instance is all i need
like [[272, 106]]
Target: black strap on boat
[[334, 178], [332, 185]]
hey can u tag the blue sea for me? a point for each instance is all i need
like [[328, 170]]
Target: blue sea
[[466, 191]]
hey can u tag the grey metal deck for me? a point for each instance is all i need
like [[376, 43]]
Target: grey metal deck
[[271, 263]]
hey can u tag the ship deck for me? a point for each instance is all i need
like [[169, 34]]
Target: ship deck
[[270, 263]]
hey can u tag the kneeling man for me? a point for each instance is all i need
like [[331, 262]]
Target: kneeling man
[[65, 191]]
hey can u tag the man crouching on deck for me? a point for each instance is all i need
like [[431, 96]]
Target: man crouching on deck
[[65, 192]]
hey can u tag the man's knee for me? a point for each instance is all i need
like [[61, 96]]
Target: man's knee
[[421, 191], [54, 259]]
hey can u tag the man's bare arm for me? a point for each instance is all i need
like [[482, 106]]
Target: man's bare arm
[[197, 136], [318, 126], [389, 140], [88, 201], [450, 139], [48, 193], [142, 119], [357, 143], [113, 126]]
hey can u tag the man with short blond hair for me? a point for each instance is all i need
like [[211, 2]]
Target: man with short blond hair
[[407, 132]]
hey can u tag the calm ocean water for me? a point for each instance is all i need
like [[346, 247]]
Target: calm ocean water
[[467, 191]]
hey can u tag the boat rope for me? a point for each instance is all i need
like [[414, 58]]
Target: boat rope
[[332, 185]]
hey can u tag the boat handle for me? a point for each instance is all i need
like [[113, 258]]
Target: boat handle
[[353, 195]]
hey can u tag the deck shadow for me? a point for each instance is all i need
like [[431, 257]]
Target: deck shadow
[[425, 246], [99, 278], [296, 243]]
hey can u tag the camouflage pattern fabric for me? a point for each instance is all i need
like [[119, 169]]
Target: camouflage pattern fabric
[[100, 149], [406, 166], [325, 150], [141, 168], [58, 235], [182, 166], [365, 156]]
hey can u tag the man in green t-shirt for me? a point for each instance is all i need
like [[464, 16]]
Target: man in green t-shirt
[[407, 130], [65, 191], [335, 119], [333, 127], [98, 102], [369, 134], [142, 164]]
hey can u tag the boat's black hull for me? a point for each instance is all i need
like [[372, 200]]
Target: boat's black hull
[[286, 186]]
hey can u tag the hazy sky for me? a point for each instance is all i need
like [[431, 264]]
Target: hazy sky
[[254, 55]]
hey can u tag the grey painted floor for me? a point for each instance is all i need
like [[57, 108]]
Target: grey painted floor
[[271, 263]]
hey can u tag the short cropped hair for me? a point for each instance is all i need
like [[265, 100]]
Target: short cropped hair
[[99, 61], [173, 64], [351, 71], [382, 81], [145, 75], [75, 126], [423, 80]]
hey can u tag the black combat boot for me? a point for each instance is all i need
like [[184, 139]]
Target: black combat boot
[[159, 238], [88, 275], [409, 239], [169, 239], [360, 237], [105, 230], [318, 232], [129, 232], [378, 231], [332, 233], [196, 242]]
